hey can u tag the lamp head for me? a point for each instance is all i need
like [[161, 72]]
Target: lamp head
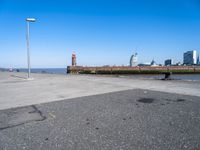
[[30, 19]]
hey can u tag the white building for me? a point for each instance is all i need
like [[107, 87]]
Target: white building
[[133, 60], [190, 57]]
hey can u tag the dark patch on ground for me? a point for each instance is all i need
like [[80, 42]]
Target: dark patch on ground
[[146, 100], [61, 96], [180, 100], [87, 123], [19, 116], [137, 105]]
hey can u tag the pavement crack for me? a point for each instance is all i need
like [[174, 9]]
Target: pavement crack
[[20, 116]]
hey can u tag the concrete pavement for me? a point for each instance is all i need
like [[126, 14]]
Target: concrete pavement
[[17, 91]]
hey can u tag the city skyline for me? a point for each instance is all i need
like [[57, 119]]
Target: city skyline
[[100, 32]]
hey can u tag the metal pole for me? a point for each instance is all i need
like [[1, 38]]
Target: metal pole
[[28, 49]]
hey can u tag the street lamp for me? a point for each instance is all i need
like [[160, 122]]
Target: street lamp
[[28, 20]]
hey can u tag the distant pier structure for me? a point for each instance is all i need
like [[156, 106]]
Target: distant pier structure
[[73, 59], [133, 60]]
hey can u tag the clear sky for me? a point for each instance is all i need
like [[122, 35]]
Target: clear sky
[[101, 32]]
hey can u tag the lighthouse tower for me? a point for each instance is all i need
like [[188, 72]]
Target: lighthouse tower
[[73, 59]]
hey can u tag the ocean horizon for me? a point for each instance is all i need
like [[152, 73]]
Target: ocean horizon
[[39, 70]]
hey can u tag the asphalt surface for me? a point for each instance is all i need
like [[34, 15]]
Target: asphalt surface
[[126, 120]]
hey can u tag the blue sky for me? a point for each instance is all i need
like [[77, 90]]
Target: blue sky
[[101, 32]]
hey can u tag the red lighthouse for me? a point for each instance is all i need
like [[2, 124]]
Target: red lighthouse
[[73, 59]]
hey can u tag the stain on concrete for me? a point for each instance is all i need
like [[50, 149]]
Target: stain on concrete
[[146, 100], [137, 105], [61, 96], [180, 100]]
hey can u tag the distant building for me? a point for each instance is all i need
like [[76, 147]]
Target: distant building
[[198, 61], [178, 64], [168, 62], [73, 59], [133, 60], [190, 57], [153, 63], [144, 64]]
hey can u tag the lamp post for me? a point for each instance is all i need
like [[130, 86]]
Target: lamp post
[[28, 20]]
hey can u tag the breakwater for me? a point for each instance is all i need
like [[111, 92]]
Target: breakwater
[[134, 70]]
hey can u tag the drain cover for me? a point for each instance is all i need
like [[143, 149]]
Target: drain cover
[[18, 116]]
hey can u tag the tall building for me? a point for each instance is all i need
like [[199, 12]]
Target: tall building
[[133, 60], [73, 59], [168, 62], [190, 57]]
